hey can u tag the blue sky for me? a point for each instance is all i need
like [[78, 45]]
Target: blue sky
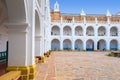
[[89, 6]]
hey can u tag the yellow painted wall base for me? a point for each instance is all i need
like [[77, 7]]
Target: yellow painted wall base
[[12, 75], [32, 72], [27, 72], [36, 60]]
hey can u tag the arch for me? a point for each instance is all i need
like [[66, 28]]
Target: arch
[[78, 31], [37, 24], [55, 44], [55, 30], [114, 31], [37, 33], [90, 45], [19, 13], [78, 44], [67, 45], [67, 31], [101, 31], [101, 45], [113, 44], [90, 31]]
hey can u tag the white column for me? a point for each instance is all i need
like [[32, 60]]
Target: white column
[[73, 47], [108, 44], [108, 19], [37, 46], [19, 45], [73, 31], [61, 19], [42, 46], [96, 31], [61, 30], [118, 31], [61, 44], [84, 34], [95, 44], [96, 21], [118, 44], [108, 30], [84, 20], [84, 44], [61, 34], [96, 36], [43, 35], [73, 20], [84, 31]]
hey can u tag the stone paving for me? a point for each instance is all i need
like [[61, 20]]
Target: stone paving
[[79, 66]]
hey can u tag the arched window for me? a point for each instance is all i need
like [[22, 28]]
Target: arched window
[[55, 31], [90, 31], [55, 44], [101, 31], [67, 45], [113, 45], [113, 31], [90, 45], [78, 45], [78, 31], [101, 45], [67, 31]]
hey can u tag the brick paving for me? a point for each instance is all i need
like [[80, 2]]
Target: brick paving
[[79, 66], [46, 71]]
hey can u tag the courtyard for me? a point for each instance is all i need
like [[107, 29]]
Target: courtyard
[[65, 65]]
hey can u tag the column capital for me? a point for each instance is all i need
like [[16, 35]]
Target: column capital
[[17, 27], [38, 37]]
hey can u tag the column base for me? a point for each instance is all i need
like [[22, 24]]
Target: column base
[[32, 72], [36, 60], [41, 59], [27, 72]]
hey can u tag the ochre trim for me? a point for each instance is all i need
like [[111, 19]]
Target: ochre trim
[[41, 59], [27, 72], [32, 72]]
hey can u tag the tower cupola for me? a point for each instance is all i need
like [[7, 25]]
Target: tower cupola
[[56, 7]]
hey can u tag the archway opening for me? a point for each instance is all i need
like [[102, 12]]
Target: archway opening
[[113, 45], [78, 45], [113, 31], [101, 31], [55, 44], [37, 24], [90, 45], [67, 31], [78, 31], [67, 45], [37, 33], [55, 30], [90, 31], [101, 45]]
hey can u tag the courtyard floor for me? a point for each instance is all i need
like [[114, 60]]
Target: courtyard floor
[[65, 65]]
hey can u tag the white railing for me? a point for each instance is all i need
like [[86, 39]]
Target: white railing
[[90, 21], [99, 22]]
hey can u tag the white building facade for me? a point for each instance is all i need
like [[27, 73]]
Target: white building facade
[[84, 31]]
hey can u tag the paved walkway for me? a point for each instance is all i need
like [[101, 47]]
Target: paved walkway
[[79, 66]]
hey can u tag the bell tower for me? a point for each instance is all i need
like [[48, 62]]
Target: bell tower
[[56, 7], [56, 12]]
